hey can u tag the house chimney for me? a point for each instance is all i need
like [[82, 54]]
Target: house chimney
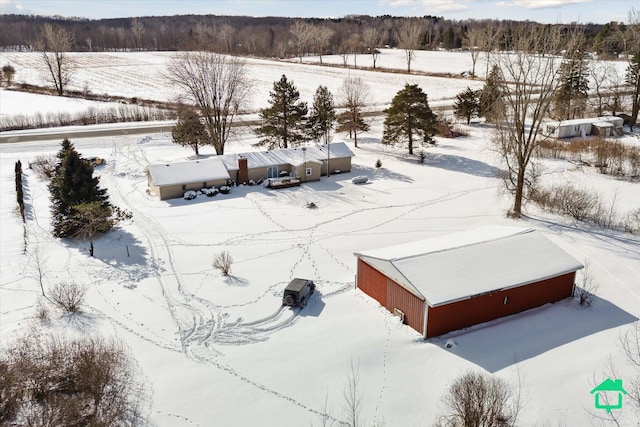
[[243, 170]]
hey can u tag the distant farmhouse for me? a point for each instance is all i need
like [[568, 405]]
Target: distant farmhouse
[[305, 164], [451, 282], [605, 126]]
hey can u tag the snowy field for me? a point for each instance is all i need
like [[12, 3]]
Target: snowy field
[[222, 351], [142, 74]]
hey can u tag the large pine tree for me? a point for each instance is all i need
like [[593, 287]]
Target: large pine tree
[[189, 130], [72, 184], [570, 100], [491, 95], [409, 117], [322, 116], [632, 78], [467, 104], [283, 123]]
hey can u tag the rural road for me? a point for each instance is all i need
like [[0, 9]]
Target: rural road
[[129, 128]]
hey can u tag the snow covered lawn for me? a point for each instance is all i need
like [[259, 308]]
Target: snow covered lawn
[[223, 351]]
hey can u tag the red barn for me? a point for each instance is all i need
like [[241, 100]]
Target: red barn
[[458, 280]]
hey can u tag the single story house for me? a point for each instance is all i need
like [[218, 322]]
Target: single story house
[[605, 126], [171, 180], [463, 279], [306, 163]]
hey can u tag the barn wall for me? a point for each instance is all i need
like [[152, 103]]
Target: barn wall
[[461, 314], [372, 282], [412, 306], [391, 295]]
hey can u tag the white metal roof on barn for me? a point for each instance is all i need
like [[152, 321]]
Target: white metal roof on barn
[[458, 266], [204, 170]]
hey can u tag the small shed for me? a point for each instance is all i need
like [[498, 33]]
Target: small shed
[[171, 180], [463, 279]]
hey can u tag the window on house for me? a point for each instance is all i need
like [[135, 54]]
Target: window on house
[[309, 171], [184, 187], [272, 172], [204, 184], [505, 301]]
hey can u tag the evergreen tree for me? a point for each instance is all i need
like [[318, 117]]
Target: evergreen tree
[[409, 116], [283, 122], [467, 104], [632, 78], [89, 220], [570, 100], [189, 130], [491, 95], [322, 116], [72, 183]]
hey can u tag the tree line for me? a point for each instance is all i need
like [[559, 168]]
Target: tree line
[[289, 37]]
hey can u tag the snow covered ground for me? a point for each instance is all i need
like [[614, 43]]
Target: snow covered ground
[[222, 351]]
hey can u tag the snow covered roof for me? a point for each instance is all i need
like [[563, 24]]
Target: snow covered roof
[[210, 169], [292, 156], [457, 266], [586, 121]]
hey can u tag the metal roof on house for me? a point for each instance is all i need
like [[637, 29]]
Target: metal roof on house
[[204, 170], [461, 265], [293, 156]]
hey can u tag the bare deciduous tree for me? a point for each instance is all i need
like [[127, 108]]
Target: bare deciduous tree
[[353, 397], [301, 33], [320, 37], [354, 95], [629, 343], [372, 38], [409, 37], [226, 36], [53, 43], [217, 85], [137, 31], [480, 400], [529, 81], [472, 41]]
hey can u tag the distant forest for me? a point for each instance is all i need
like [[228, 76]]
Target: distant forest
[[286, 37]]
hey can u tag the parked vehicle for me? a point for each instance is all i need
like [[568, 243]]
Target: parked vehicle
[[297, 292], [362, 179]]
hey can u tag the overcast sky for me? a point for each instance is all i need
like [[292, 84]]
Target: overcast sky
[[547, 11]]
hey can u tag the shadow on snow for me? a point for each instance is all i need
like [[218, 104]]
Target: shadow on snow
[[504, 342]]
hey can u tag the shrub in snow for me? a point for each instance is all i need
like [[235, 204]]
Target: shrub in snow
[[222, 262], [224, 189], [478, 399], [422, 155], [585, 291], [190, 194], [51, 380], [378, 163], [209, 192], [68, 296]]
